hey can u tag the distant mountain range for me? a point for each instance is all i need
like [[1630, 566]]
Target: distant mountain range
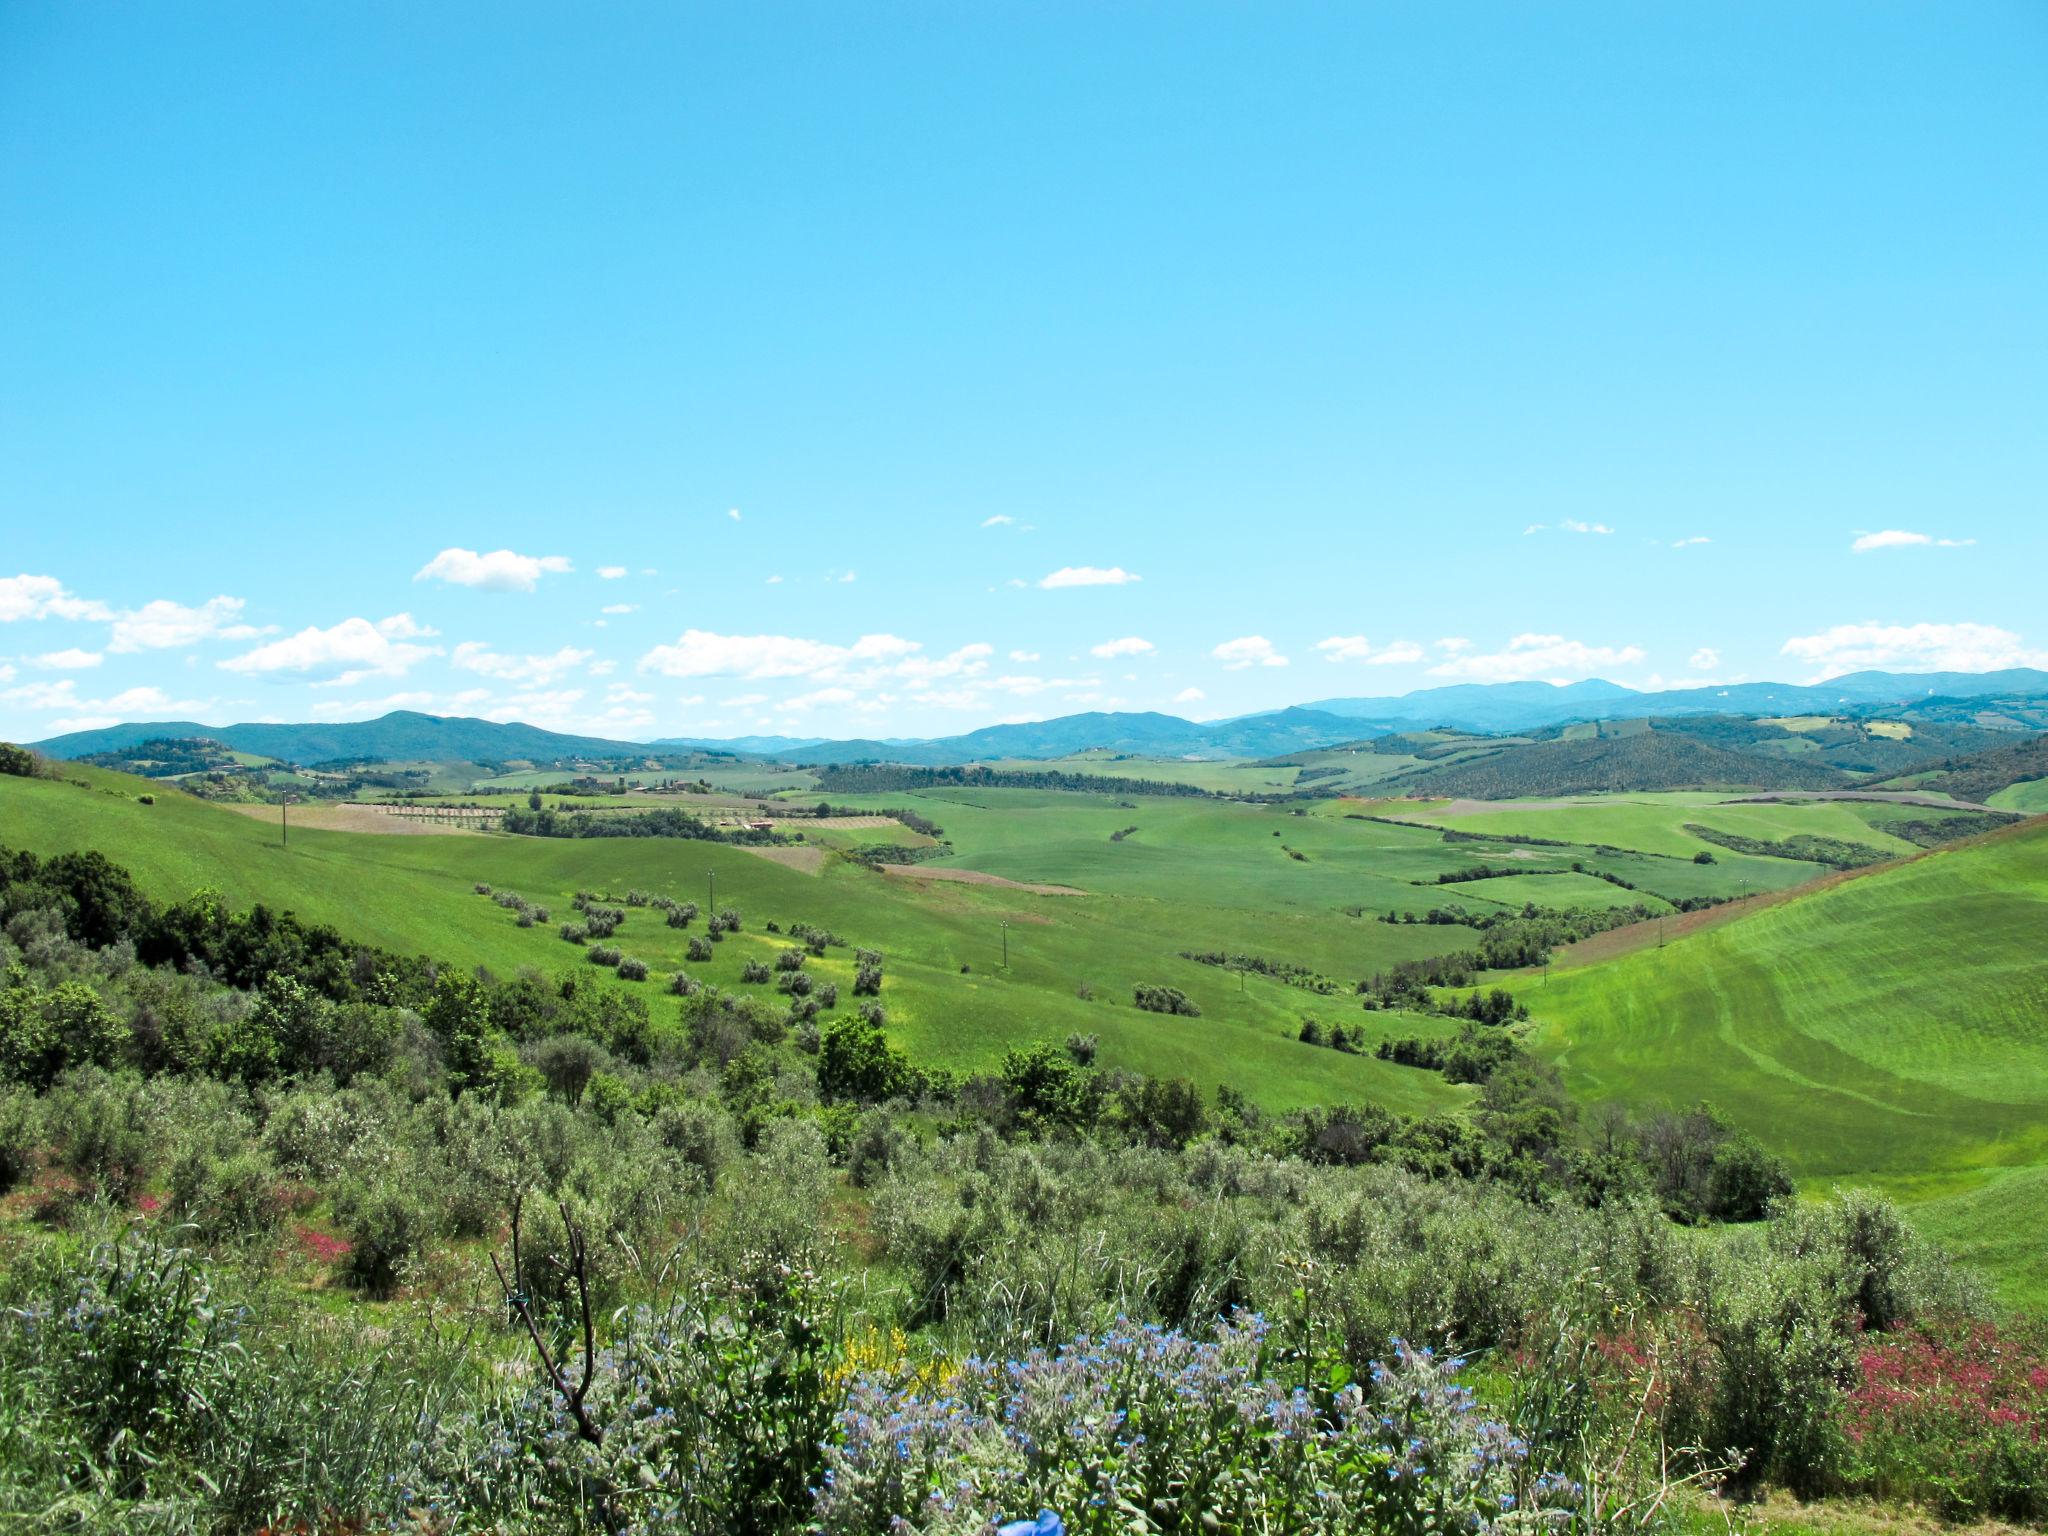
[[1496, 707], [1479, 707], [401, 736]]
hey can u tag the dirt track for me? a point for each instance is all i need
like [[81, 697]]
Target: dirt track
[[975, 877]]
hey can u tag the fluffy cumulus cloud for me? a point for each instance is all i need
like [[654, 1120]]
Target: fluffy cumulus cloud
[[342, 655], [1706, 658], [72, 660], [705, 653], [1088, 576], [968, 661], [611, 572], [1189, 696], [1000, 520], [90, 714], [1911, 648], [1689, 543], [1130, 645], [477, 656], [1023, 655], [164, 625], [1546, 658], [370, 709], [616, 608], [1358, 648], [1900, 538], [44, 597], [1248, 651], [499, 571]]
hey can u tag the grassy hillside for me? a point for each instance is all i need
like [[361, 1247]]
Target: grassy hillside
[[1985, 775], [413, 894], [1635, 761], [1890, 1028]]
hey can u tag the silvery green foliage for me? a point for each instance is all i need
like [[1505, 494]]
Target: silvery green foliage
[[1143, 1428], [706, 1417]]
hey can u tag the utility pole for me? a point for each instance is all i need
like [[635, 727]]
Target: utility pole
[[711, 899], [1006, 943], [284, 821]]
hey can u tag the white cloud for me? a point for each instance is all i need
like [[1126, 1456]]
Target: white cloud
[[1356, 648], [733, 513], [1000, 520], [1912, 648], [164, 625], [1573, 525], [1189, 696], [541, 671], [1550, 658], [620, 608], [44, 597], [746, 700], [499, 571], [774, 581], [1088, 576], [1698, 538], [6, 672], [1248, 651], [73, 660], [1130, 645], [1534, 528], [1025, 686], [821, 698], [849, 576], [968, 661], [342, 655], [1706, 658], [369, 709], [1023, 655], [125, 705], [704, 653], [1899, 538], [603, 668], [1454, 645], [611, 572]]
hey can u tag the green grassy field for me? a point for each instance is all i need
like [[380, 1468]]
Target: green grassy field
[[1656, 823], [413, 893], [2030, 796], [1891, 1028], [1888, 1029]]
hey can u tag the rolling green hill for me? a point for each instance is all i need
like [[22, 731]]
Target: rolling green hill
[[1982, 775], [1890, 1028], [949, 999], [1652, 759], [402, 734]]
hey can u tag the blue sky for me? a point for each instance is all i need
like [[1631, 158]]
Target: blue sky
[[896, 369]]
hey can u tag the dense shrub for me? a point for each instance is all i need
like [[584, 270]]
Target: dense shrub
[[388, 1225], [1158, 999]]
